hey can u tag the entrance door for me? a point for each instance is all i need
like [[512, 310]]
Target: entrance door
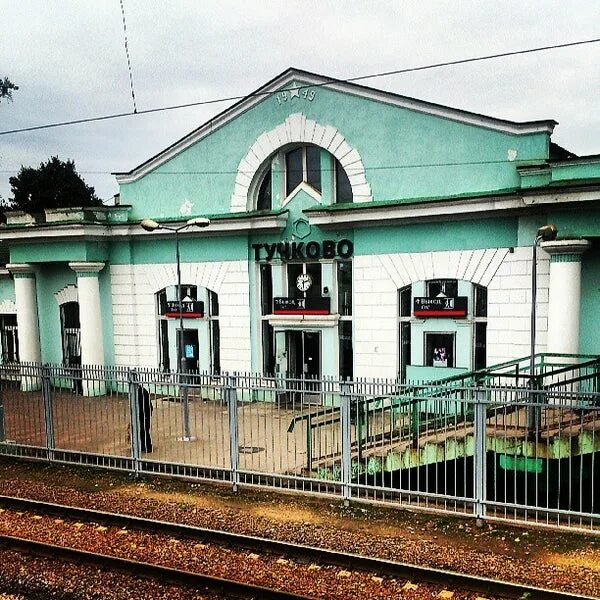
[[71, 342], [304, 362], [190, 348], [71, 334], [311, 342]]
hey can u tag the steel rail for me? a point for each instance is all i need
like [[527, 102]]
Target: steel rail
[[147, 570], [454, 579]]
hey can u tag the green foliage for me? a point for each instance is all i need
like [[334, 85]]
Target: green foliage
[[7, 87], [55, 184]]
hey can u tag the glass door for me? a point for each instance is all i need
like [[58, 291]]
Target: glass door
[[304, 363], [190, 348]]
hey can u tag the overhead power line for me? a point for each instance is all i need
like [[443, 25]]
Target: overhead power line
[[347, 169], [128, 58], [324, 83]]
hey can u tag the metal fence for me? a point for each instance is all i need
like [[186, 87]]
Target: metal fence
[[496, 452]]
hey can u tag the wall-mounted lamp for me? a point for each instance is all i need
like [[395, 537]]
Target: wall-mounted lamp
[[149, 225], [546, 233], [152, 225], [199, 222]]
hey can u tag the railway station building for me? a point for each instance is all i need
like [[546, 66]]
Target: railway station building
[[353, 233]]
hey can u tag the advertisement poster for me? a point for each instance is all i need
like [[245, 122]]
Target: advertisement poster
[[440, 357], [439, 349]]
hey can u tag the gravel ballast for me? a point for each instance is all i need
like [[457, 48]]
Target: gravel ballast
[[561, 560]]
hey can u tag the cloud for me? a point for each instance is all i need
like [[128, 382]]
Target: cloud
[[68, 59]]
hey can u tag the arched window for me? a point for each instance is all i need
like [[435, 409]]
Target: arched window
[[309, 165], [264, 199], [343, 188], [196, 346], [442, 324], [303, 164]]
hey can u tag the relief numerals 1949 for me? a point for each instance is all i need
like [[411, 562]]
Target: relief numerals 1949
[[289, 95]]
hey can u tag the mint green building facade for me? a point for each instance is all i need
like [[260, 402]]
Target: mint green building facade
[[353, 233]]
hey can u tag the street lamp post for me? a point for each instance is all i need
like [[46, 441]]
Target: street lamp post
[[151, 225], [545, 233]]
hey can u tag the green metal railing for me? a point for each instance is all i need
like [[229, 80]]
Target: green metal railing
[[435, 403], [517, 372]]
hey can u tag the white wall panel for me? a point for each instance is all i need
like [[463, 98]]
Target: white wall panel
[[506, 274], [134, 309]]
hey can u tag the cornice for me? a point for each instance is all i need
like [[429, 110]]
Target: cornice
[[100, 232], [575, 247], [366, 215], [83, 268], [21, 269]]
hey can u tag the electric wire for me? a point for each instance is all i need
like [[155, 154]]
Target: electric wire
[[348, 169], [128, 57], [321, 84]]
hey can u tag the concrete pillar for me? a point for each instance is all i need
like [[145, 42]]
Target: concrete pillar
[[90, 317], [564, 294], [27, 321]]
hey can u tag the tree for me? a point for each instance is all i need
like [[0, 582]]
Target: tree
[[7, 87], [55, 184]]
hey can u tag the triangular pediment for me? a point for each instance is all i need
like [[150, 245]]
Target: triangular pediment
[[292, 79]]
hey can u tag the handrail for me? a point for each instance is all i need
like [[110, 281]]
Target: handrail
[[495, 370]]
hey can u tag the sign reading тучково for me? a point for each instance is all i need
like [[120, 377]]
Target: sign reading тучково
[[440, 307], [304, 250]]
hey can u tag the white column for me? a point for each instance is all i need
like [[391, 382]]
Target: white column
[[27, 313], [28, 328], [564, 294], [90, 318]]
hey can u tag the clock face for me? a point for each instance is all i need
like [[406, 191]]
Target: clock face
[[303, 282]]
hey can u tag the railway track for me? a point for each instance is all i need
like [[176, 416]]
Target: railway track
[[136, 568], [303, 554]]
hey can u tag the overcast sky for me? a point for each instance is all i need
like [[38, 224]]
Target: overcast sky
[[69, 60]]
